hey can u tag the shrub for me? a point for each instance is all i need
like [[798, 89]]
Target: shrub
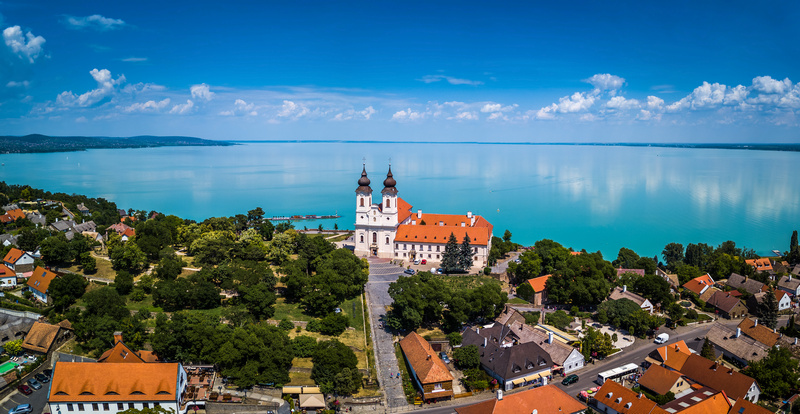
[[304, 346], [313, 325], [532, 318], [286, 325], [455, 338], [334, 324], [487, 271], [559, 319]]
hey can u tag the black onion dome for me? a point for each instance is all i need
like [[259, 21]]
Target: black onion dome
[[363, 182], [389, 183]]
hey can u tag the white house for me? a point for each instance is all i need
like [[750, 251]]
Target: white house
[[19, 261], [89, 387], [624, 293], [8, 278], [39, 283]]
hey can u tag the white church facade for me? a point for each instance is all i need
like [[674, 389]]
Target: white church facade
[[389, 228]]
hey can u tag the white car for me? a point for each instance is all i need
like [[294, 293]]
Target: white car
[[662, 338], [416, 262]]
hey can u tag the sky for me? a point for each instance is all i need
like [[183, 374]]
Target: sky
[[682, 71]]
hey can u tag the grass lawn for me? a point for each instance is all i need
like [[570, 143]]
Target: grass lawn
[[104, 270], [435, 333], [302, 363], [300, 378], [518, 301], [466, 281], [146, 303], [353, 309], [289, 311], [353, 338], [341, 237]]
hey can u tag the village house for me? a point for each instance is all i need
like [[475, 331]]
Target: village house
[[62, 226], [428, 371], [613, 398], [39, 283], [638, 272], [672, 355], [623, 293], [716, 376], [42, 337], [760, 265], [125, 231], [790, 284], [547, 399], [511, 364], [743, 406], [539, 292], [121, 353], [702, 286], [19, 261], [783, 298], [83, 210], [750, 285], [728, 305], [8, 239], [661, 380], [763, 334], [8, 277], [87, 387], [686, 403], [12, 215], [732, 344], [669, 277], [13, 327]]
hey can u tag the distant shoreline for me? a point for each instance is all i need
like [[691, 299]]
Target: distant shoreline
[[37, 143], [757, 147]]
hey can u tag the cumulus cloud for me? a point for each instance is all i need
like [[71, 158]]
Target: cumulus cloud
[[293, 110], [766, 84], [619, 102], [182, 109], [577, 102], [465, 116], [365, 113], [94, 22], [606, 82], [201, 92], [407, 115], [25, 46], [654, 102], [240, 108], [709, 95], [106, 87], [449, 79], [149, 106]]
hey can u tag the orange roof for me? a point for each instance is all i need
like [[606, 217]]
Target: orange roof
[[716, 404], [760, 265], [40, 337], [674, 355], [12, 215], [87, 381], [718, 377], [41, 278], [129, 232], [433, 233], [659, 379], [624, 400], [760, 332], [575, 253], [423, 359], [697, 284], [545, 400], [6, 272], [120, 353], [403, 210], [743, 406], [538, 283], [13, 255]]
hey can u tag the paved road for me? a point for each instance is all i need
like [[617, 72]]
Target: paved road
[[381, 273]]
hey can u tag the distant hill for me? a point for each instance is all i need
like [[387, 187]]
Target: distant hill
[[44, 143]]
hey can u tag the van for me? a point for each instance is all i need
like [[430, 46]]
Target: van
[[662, 338]]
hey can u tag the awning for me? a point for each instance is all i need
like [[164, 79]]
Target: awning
[[531, 377], [311, 390], [652, 361], [292, 390], [518, 381]]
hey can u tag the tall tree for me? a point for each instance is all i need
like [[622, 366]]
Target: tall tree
[[794, 249], [777, 374], [465, 256], [450, 255], [673, 255], [65, 290], [708, 350], [507, 236], [768, 310], [331, 358], [626, 259], [529, 266]]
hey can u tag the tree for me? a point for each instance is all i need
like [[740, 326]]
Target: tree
[[451, 255], [529, 266], [213, 247], [334, 324], [348, 381], [128, 257], [123, 282], [532, 318], [88, 263], [708, 350], [106, 302], [794, 249], [67, 289], [654, 288], [418, 300], [169, 267], [467, 357], [559, 319], [455, 338], [465, 255], [524, 290], [507, 236], [580, 280], [304, 346], [626, 259], [554, 256], [776, 374], [56, 250], [259, 300], [698, 255], [673, 254], [768, 310], [330, 358]]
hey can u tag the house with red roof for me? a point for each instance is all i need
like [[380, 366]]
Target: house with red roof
[[19, 261], [699, 284], [390, 228], [121, 353], [8, 277], [613, 398], [39, 283], [539, 292], [547, 399], [761, 265], [12, 215], [728, 305], [125, 231], [428, 371]]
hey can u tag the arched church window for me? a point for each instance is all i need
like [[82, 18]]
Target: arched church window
[[374, 237], [362, 238], [362, 202], [387, 240], [388, 203]]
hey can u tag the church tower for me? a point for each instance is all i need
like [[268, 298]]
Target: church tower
[[389, 202], [363, 194]]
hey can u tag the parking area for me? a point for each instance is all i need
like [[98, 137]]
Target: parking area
[[37, 400]]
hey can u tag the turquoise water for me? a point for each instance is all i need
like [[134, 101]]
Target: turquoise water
[[585, 197]]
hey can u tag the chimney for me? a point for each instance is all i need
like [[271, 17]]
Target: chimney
[[738, 332], [117, 337], [469, 214], [755, 322], [472, 221], [624, 288], [419, 214], [549, 337], [499, 394], [484, 342], [640, 395], [428, 358], [795, 341]]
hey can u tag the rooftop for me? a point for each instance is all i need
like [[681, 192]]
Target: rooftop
[[428, 366], [549, 399], [88, 381]]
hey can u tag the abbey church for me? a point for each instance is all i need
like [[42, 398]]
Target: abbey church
[[389, 228]]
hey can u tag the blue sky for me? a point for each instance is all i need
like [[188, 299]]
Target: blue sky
[[440, 71]]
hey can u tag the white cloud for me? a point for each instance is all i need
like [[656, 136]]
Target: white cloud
[[654, 102], [135, 59], [106, 86], [81, 119], [15, 84], [292, 110], [95, 21], [407, 115], [606, 82], [498, 115], [366, 113], [27, 46], [492, 107], [619, 102], [182, 109], [709, 95], [766, 84], [201, 91], [240, 108], [577, 102], [149, 106], [451, 80], [465, 116]]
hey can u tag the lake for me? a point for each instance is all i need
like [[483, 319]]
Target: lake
[[585, 197]]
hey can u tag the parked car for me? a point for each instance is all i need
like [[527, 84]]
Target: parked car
[[444, 357], [21, 409], [409, 271], [570, 379], [416, 262], [434, 271], [439, 271], [44, 379], [424, 261], [48, 372], [25, 389], [662, 338], [34, 384]]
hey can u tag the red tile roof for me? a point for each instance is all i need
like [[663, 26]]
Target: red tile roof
[[89, 382], [761, 265], [545, 400], [716, 404], [6, 272], [120, 353], [760, 332], [13, 255], [40, 337], [403, 210], [12, 215], [41, 278], [718, 377], [624, 400], [743, 406], [428, 366], [698, 284], [431, 233], [538, 283], [659, 379]]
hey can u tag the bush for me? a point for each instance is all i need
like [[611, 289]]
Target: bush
[[304, 346], [455, 338], [559, 319], [532, 318], [487, 271], [334, 324], [123, 282], [313, 325], [286, 325], [137, 295]]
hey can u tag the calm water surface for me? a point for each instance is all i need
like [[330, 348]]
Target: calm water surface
[[585, 197]]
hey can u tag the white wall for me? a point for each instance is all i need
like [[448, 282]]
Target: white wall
[[113, 408]]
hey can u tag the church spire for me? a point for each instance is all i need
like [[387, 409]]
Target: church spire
[[363, 182], [389, 183]]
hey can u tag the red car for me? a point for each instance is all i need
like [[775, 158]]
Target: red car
[[423, 261], [25, 389]]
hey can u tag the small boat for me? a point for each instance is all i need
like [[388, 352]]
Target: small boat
[[777, 253]]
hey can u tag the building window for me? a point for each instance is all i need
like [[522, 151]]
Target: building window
[[474, 250], [405, 247], [94, 407], [145, 405], [437, 249], [404, 255], [120, 406], [387, 241], [80, 407], [374, 237], [156, 405], [438, 386], [437, 256], [362, 238], [396, 254], [70, 407], [388, 203], [105, 406], [429, 256], [131, 406], [362, 202], [396, 246], [429, 247]]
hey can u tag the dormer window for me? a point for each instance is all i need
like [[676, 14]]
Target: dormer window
[[618, 400], [628, 405]]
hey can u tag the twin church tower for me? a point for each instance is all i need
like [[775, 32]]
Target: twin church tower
[[388, 228]]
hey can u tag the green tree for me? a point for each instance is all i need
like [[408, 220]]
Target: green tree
[[418, 300], [455, 338], [708, 350], [106, 302], [334, 324], [67, 289], [559, 319], [524, 290], [128, 257], [626, 259], [532, 318], [465, 255], [687, 272], [451, 255], [169, 267], [56, 250], [88, 263], [776, 374], [304, 346], [467, 357], [582, 279], [529, 266], [698, 255], [348, 381], [330, 358], [768, 310], [213, 247], [14, 347], [794, 249], [507, 236], [654, 288], [123, 282], [673, 255], [554, 256], [259, 300]]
